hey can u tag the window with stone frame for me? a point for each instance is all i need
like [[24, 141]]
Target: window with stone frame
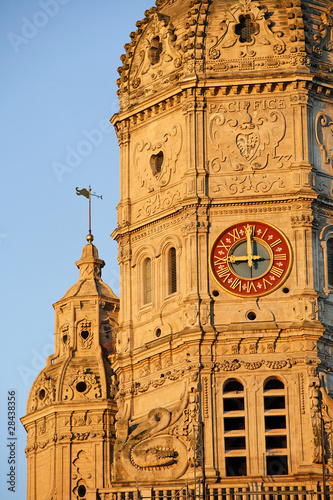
[[329, 246], [234, 428], [275, 416], [147, 281], [172, 270]]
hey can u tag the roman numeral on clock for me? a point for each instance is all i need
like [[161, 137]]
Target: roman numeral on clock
[[223, 273], [276, 271]]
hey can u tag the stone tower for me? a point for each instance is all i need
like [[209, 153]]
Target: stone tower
[[225, 232], [71, 408], [223, 358]]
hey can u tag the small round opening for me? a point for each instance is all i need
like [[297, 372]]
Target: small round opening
[[81, 491], [41, 394], [81, 386], [64, 339], [251, 315], [216, 293], [84, 334], [285, 290], [158, 332]]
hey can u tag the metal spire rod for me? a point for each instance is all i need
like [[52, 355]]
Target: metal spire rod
[[88, 194]]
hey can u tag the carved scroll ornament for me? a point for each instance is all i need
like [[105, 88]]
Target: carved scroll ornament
[[324, 136], [145, 154], [245, 142], [246, 25]]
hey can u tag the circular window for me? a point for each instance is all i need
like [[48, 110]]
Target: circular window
[[158, 332], [251, 315], [285, 290], [81, 386], [81, 491], [84, 334], [215, 293], [42, 394]]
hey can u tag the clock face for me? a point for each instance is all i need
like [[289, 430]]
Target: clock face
[[250, 259]]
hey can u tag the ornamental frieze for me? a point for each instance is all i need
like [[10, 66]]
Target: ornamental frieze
[[158, 203], [254, 183]]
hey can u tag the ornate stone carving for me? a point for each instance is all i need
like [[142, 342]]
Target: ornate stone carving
[[158, 203], [44, 392], [323, 40], [324, 136], [84, 385], [253, 182], [85, 334], [176, 374], [235, 364], [244, 142], [150, 449], [157, 51], [245, 24], [146, 157]]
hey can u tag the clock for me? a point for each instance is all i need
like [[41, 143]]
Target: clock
[[250, 259]]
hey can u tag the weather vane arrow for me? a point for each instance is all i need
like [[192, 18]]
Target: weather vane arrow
[[88, 194]]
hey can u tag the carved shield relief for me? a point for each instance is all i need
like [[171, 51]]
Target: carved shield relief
[[246, 140]]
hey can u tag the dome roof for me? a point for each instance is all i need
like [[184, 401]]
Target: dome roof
[[213, 42]]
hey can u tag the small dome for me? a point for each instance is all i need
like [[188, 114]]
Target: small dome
[[90, 282]]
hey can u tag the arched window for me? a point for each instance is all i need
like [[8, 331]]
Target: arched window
[[234, 428], [275, 427], [330, 262], [172, 265], [147, 292]]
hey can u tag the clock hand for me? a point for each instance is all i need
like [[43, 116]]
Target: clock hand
[[248, 232], [234, 258]]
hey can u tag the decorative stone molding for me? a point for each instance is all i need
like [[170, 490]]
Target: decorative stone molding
[[44, 392], [254, 183], [324, 137], [235, 364], [158, 203], [246, 142], [164, 151], [246, 17], [85, 334], [156, 445], [84, 385]]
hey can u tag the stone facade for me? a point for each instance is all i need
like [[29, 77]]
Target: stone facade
[[215, 383]]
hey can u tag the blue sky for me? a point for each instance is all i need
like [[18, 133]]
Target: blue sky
[[59, 62]]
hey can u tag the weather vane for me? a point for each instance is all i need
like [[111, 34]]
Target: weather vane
[[88, 194]]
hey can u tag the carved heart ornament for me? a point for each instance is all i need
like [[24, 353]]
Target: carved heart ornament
[[247, 144]]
